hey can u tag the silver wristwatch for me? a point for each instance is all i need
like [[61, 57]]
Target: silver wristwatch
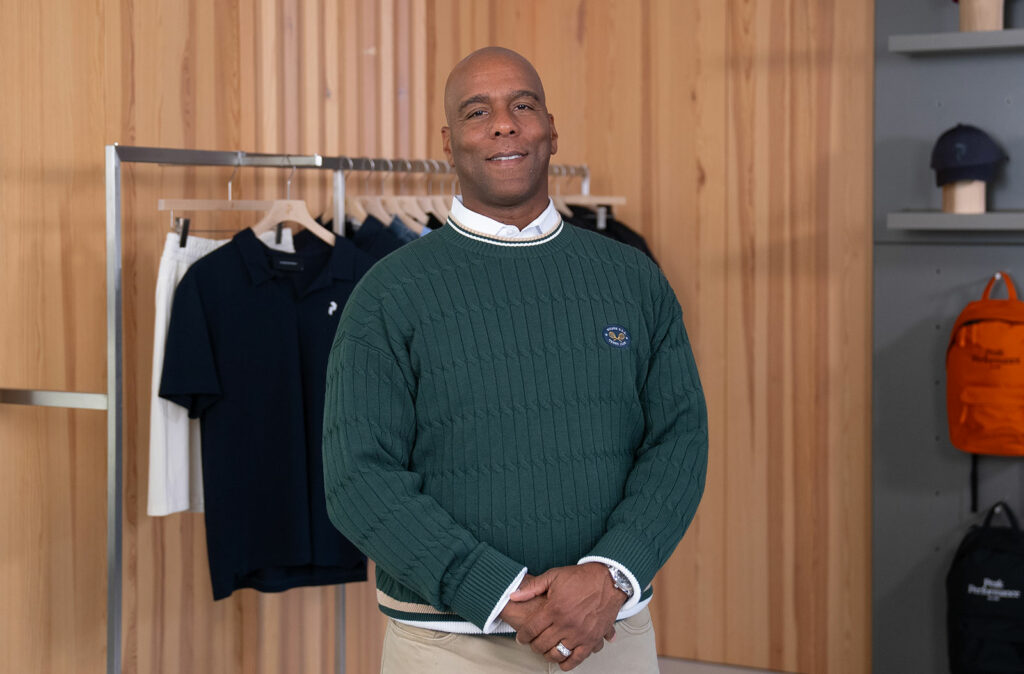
[[621, 580]]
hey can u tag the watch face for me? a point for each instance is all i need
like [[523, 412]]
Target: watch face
[[621, 581]]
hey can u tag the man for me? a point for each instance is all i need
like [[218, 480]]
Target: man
[[511, 395]]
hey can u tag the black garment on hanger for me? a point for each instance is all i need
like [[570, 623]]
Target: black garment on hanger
[[250, 332], [614, 229], [433, 222], [372, 236]]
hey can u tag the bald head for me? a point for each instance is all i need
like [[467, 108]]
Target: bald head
[[500, 135], [458, 88]]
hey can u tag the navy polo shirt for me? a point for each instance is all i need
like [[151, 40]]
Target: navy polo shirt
[[250, 332]]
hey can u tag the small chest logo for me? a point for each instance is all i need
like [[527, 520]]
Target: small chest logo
[[617, 336], [332, 308]]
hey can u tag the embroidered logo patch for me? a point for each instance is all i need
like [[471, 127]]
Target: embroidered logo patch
[[617, 336]]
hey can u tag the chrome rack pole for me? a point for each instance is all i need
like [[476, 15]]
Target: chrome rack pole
[[339, 202], [339, 607], [114, 409]]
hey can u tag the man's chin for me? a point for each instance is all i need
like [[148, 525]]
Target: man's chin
[[509, 198]]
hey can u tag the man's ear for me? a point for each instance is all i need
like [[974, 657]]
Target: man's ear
[[554, 134], [446, 143]]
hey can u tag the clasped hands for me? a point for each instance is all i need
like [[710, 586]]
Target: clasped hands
[[572, 605]]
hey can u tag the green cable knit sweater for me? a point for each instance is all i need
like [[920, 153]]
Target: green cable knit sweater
[[493, 404]]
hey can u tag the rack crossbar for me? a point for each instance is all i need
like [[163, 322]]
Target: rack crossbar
[[42, 398]]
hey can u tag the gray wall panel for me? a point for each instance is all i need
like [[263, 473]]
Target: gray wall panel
[[921, 494], [921, 489], [917, 97]]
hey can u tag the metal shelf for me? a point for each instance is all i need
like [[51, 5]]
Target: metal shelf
[[934, 43], [999, 221]]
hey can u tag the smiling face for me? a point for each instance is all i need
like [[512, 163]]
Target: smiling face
[[499, 137]]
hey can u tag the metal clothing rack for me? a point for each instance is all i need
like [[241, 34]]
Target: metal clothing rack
[[113, 400]]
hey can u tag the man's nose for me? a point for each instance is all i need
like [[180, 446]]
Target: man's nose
[[504, 125]]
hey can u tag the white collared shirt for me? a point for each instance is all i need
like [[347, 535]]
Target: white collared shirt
[[541, 225]]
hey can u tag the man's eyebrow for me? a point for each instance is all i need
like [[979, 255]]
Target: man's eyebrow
[[484, 98], [473, 100], [525, 93]]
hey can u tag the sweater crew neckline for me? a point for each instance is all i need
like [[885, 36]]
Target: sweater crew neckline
[[470, 239]]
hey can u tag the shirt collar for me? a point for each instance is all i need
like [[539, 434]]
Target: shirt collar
[[541, 225], [257, 256]]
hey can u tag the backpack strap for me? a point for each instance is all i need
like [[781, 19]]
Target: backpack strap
[[974, 483], [1003, 508], [1011, 291]]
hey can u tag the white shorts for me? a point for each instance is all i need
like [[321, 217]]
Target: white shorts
[[175, 463]]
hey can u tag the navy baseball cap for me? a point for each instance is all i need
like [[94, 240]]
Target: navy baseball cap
[[965, 152]]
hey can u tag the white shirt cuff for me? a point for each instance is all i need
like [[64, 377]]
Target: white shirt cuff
[[493, 621], [632, 601]]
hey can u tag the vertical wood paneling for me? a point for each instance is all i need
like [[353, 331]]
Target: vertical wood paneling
[[52, 523], [739, 133]]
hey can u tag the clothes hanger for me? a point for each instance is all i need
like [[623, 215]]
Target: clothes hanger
[[443, 203], [354, 209], [292, 210], [352, 206], [182, 225], [228, 204], [590, 199], [593, 200], [372, 202], [426, 201], [556, 198], [392, 205], [423, 200], [410, 203]]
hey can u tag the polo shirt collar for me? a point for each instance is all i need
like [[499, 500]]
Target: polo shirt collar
[[541, 225], [256, 257]]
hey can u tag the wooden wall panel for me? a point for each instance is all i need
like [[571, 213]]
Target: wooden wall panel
[[53, 532], [738, 130]]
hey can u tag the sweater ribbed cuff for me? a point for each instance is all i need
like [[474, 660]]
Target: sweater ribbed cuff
[[630, 551], [484, 585]]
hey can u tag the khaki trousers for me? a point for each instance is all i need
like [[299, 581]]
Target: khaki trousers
[[414, 650]]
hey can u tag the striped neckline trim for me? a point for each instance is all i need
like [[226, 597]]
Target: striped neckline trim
[[504, 240]]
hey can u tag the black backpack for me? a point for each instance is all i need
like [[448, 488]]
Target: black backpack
[[985, 594]]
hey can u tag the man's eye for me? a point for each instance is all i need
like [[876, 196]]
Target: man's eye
[[475, 113], [523, 106]]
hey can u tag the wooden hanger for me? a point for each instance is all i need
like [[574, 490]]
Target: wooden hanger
[[292, 210], [373, 205], [410, 205], [426, 203], [213, 204], [355, 209], [441, 206], [228, 204], [435, 203], [561, 206], [593, 200], [393, 206]]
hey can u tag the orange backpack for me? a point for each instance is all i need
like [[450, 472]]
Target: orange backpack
[[985, 375]]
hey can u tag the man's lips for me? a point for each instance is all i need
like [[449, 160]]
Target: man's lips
[[506, 156]]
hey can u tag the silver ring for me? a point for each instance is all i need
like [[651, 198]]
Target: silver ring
[[562, 649]]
